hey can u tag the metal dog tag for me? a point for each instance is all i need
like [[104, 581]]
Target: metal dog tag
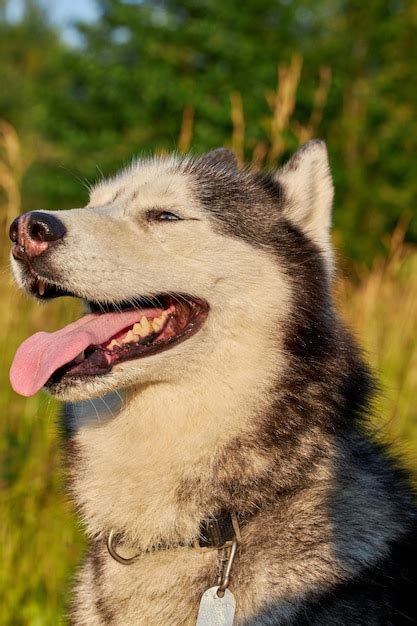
[[215, 611]]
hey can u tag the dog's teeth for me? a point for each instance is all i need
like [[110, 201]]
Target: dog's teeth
[[41, 286], [143, 328], [112, 344], [146, 326], [158, 322], [129, 337], [80, 357], [137, 329]]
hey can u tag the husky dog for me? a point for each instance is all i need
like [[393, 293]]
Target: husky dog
[[240, 396]]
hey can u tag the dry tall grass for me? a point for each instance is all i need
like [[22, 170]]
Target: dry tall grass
[[381, 309], [41, 544]]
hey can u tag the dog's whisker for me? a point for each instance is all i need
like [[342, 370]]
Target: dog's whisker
[[122, 400], [109, 410], [95, 409]]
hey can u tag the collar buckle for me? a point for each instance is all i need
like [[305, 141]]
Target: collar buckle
[[219, 532]]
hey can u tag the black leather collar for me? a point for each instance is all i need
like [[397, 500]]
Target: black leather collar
[[216, 533]]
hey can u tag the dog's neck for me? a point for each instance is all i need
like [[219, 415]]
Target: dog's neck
[[146, 469]]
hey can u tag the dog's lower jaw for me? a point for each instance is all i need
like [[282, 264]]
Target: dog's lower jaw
[[76, 389], [122, 377]]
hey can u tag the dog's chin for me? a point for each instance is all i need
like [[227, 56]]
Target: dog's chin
[[169, 367], [123, 376], [81, 388], [76, 388]]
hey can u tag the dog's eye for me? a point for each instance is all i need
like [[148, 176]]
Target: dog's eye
[[162, 216]]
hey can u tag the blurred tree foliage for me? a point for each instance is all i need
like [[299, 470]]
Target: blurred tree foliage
[[147, 68]]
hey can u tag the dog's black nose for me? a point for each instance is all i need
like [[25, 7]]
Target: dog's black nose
[[45, 227], [33, 232]]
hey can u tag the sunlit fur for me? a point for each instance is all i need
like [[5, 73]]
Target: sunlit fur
[[260, 411]]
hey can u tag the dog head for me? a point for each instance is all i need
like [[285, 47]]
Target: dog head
[[180, 261]]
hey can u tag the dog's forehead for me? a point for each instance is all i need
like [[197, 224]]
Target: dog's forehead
[[146, 184]]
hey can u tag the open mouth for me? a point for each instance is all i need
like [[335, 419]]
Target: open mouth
[[111, 334]]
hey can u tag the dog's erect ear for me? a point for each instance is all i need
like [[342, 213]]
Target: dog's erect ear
[[221, 157], [308, 189]]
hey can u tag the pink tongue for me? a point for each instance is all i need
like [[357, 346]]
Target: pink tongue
[[42, 354]]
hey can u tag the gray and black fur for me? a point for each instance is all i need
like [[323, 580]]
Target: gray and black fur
[[320, 406]]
